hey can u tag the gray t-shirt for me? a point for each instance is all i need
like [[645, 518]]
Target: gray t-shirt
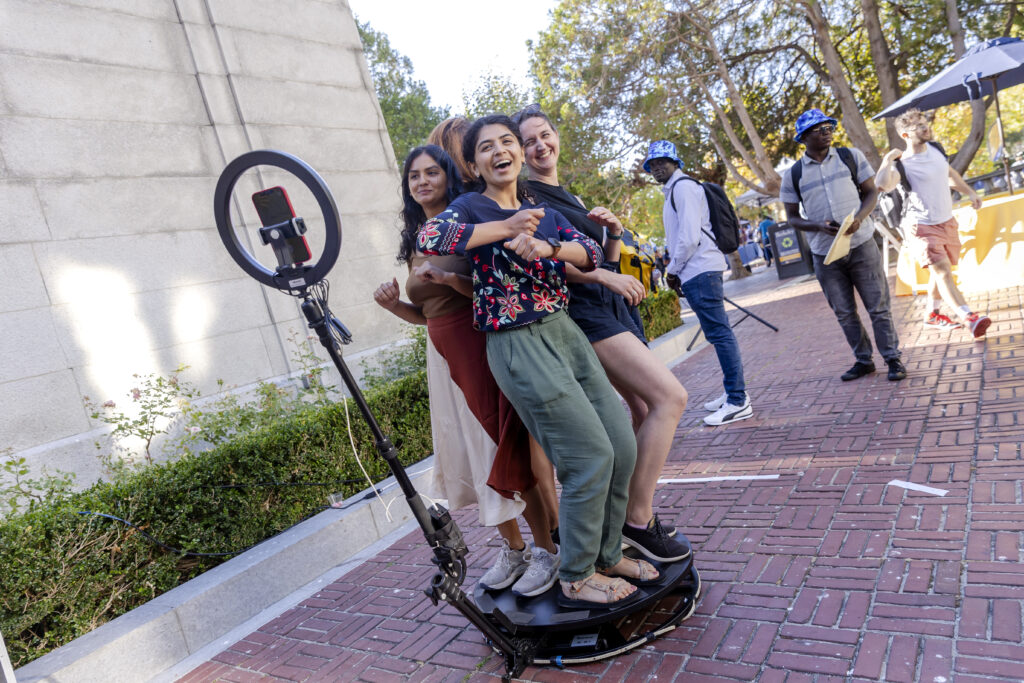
[[829, 193]]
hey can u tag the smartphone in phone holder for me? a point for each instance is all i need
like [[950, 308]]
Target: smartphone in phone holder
[[282, 229]]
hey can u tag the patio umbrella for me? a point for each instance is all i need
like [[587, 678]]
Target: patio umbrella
[[983, 70]]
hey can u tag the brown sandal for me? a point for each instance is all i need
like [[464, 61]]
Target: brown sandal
[[647, 574], [573, 598]]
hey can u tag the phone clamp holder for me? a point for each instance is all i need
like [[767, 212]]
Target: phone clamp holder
[[279, 237]]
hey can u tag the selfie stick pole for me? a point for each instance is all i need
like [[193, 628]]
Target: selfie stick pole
[[439, 529]]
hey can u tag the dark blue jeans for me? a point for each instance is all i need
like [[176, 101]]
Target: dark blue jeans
[[705, 295], [860, 270]]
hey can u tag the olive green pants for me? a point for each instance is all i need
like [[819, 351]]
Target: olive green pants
[[551, 374]]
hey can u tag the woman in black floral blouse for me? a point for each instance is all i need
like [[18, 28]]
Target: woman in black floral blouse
[[542, 361]]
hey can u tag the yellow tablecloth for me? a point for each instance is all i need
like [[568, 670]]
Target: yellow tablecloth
[[992, 256]]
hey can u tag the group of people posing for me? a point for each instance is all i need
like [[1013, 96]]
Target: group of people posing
[[529, 318], [534, 334]]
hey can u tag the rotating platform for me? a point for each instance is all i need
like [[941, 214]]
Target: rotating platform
[[563, 636]]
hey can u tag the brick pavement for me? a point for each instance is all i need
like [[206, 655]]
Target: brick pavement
[[827, 573]]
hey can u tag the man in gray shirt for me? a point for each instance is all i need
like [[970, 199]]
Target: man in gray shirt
[[832, 183]]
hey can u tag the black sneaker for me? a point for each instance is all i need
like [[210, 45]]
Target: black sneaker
[[554, 537], [858, 370], [655, 543], [897, 371], [669, 530]]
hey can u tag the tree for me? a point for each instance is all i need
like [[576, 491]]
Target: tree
[[404, 101], [494, 94]]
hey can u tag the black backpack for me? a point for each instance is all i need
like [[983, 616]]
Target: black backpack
[[891, 203], [845, 155], [724, 222]]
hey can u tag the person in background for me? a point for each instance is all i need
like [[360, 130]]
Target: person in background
[[766, 242], [695, 270], [928, 224], [829, 191]]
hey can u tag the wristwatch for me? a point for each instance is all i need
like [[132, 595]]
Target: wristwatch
[[556, 245]]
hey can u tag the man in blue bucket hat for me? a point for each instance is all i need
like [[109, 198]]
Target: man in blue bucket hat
[[832, 183], [695, 270]]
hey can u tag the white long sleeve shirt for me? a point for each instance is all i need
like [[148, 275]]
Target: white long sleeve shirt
[[688, 232]]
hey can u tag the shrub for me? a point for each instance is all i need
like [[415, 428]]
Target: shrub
[[660, 312], [65, 573]]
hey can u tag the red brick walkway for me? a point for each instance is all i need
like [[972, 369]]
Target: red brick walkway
[[827, 573]]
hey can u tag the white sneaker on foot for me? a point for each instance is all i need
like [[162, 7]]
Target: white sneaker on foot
[[730, 413], [541, 573], [508, 567], [712, 406]]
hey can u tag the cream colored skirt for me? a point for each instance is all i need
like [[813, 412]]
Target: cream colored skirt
[[463, 451]]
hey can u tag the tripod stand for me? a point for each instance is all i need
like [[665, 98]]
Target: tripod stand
[[677, 287]]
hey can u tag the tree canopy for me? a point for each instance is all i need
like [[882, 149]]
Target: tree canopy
[[726, 79]]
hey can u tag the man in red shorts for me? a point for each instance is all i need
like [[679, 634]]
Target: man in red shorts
[[929, 228]]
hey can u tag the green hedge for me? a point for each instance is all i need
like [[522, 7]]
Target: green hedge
[[660, 312], [64, 574]]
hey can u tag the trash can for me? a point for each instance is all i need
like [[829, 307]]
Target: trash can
[[792, 254]]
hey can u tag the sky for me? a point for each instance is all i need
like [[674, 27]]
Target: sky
[[453, 43]]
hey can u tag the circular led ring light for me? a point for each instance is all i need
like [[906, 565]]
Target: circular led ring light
[[312, 180]]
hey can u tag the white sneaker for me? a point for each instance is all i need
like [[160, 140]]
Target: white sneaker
[[508, 567], [730, 413], [712, 406], [540, 575]]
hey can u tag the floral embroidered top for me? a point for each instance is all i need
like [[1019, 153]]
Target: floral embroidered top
[[507, 290]]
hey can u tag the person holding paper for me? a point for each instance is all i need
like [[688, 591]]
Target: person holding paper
[[833, 183]]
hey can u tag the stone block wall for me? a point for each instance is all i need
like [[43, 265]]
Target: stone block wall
[[116, 118]]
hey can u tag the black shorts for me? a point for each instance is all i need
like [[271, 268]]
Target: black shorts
[[601, 313]]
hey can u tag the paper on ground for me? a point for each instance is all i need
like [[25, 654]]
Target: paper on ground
[[918, 487], [841, 244]]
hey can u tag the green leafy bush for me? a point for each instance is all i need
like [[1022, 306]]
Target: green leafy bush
[[65, 573], [660, 312]]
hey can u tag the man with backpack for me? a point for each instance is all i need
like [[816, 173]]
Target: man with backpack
[[922, 176], [831, 183], [697, 229]]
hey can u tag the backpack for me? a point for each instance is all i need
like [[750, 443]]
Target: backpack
[[845, 155], [724, 223], [636, 257], [890, 203]]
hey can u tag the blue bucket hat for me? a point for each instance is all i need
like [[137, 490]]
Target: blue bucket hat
[[661, 149], [809, 119]]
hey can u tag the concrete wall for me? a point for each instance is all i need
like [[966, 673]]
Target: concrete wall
[[116, 118]]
